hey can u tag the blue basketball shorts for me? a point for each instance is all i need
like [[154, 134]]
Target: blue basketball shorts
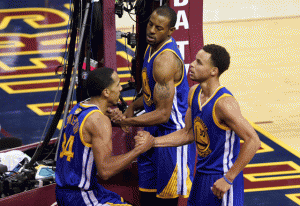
[[201, 193], [167, 171], [96, 197]]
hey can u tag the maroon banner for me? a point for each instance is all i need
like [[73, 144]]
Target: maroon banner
[[189, 28], [109, 34]]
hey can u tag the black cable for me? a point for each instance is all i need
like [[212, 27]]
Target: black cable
[[64, 93], [139, 10]]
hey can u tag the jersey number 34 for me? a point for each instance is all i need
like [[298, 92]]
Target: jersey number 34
[[67, 148]]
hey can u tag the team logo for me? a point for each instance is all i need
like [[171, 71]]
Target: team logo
[[146, 88], [201, 137], [78, 110]]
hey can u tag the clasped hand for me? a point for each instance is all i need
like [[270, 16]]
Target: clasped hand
[[116, 116], [144, 140]]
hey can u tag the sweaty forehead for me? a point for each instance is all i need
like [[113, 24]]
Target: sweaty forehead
[[203, 55], [159, 20]]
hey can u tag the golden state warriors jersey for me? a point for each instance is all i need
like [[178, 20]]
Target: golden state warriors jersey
[[75, 166], [217, 146], [176, 120]]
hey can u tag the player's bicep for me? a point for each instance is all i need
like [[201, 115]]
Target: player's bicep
[[164, 74]]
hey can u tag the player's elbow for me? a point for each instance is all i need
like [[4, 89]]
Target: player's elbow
[[189, 135], [164, 116], [104, 174], [190, 139], [165, 119], [257, 144]]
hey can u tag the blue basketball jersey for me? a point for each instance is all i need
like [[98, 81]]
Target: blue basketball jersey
[[176, 120], [75, 166], [217, 146], [76, 172], [168, 171]]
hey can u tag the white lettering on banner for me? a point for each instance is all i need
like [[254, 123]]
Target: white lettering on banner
[[178, 3], [181, 47], [182, 20], [181, 15]]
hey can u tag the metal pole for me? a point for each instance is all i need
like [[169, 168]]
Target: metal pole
[[72, 85]]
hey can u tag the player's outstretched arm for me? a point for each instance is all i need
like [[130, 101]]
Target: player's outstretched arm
[[99, 128], [134, 106], [164, 70], [180, 137], [177, 138]]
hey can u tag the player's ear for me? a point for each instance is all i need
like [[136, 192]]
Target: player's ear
[[171, 30], [106, 92], [215, 71]]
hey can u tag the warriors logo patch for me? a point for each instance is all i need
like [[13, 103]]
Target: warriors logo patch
[[146, 88], [201, 137]]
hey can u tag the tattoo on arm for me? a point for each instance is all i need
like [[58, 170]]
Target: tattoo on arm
[[162, 90]]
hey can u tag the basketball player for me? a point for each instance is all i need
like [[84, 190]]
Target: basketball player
[[86, 149], [214, 121], [164, 173]]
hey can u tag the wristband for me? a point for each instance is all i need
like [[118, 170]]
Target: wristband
[[227, 180]]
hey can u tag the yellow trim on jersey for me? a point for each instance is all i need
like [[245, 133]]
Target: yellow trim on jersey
[[86, 105], [81, 127], [108, 203], [150, 56], [122, 200], [188, 183], [190, 101], [147, 190], [146, 51], [170, 191], [214, 113], [199, 100]]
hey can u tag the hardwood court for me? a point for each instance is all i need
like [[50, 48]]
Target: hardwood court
[[264, 72]]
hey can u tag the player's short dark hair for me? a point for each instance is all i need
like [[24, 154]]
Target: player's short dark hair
[[219, 56], [168, 12], [98, 80]]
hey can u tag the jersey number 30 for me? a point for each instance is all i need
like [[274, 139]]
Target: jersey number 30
[[67, 148]]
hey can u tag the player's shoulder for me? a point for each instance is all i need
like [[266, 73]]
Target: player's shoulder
[[164, 66], [226, 104], [191, 93], [95, 117], [167, 59], [166, 55]]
